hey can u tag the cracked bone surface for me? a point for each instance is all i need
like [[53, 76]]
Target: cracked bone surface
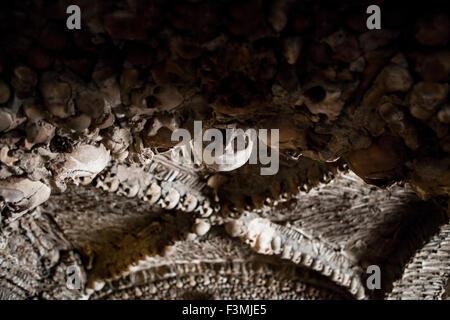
[[88, 177]]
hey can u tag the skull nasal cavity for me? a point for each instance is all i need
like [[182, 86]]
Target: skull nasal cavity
[[316, 94]]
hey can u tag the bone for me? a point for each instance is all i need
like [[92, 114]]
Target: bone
[[9, 120], [117, 140], [23, 194], [292, 49], [85, 161], [24, 81], [5, 92], [278, 16], [202, 227], [153, 193], [40, 132], [190, 202], [268, 238], [444, 114], [168, 98], [425, 98], [238, 158], [171, 200]]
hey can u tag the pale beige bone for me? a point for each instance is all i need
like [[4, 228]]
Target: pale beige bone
[[23, 193], [84, 161]]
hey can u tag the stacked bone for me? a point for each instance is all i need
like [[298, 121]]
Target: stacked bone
[[269, 238], [377, 98]]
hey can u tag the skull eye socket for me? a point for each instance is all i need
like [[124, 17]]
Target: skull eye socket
[[316, 94], [236, 100]]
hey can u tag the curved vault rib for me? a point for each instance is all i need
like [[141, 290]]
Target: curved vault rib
[[427, 274], [39, 271], [303, 224], [269, 238], [322, 231], [221, 280], [216, 268]]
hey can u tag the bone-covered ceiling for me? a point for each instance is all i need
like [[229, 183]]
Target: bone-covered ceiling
[[88, 181]]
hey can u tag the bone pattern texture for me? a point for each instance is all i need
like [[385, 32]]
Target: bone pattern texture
[[86, 177]]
